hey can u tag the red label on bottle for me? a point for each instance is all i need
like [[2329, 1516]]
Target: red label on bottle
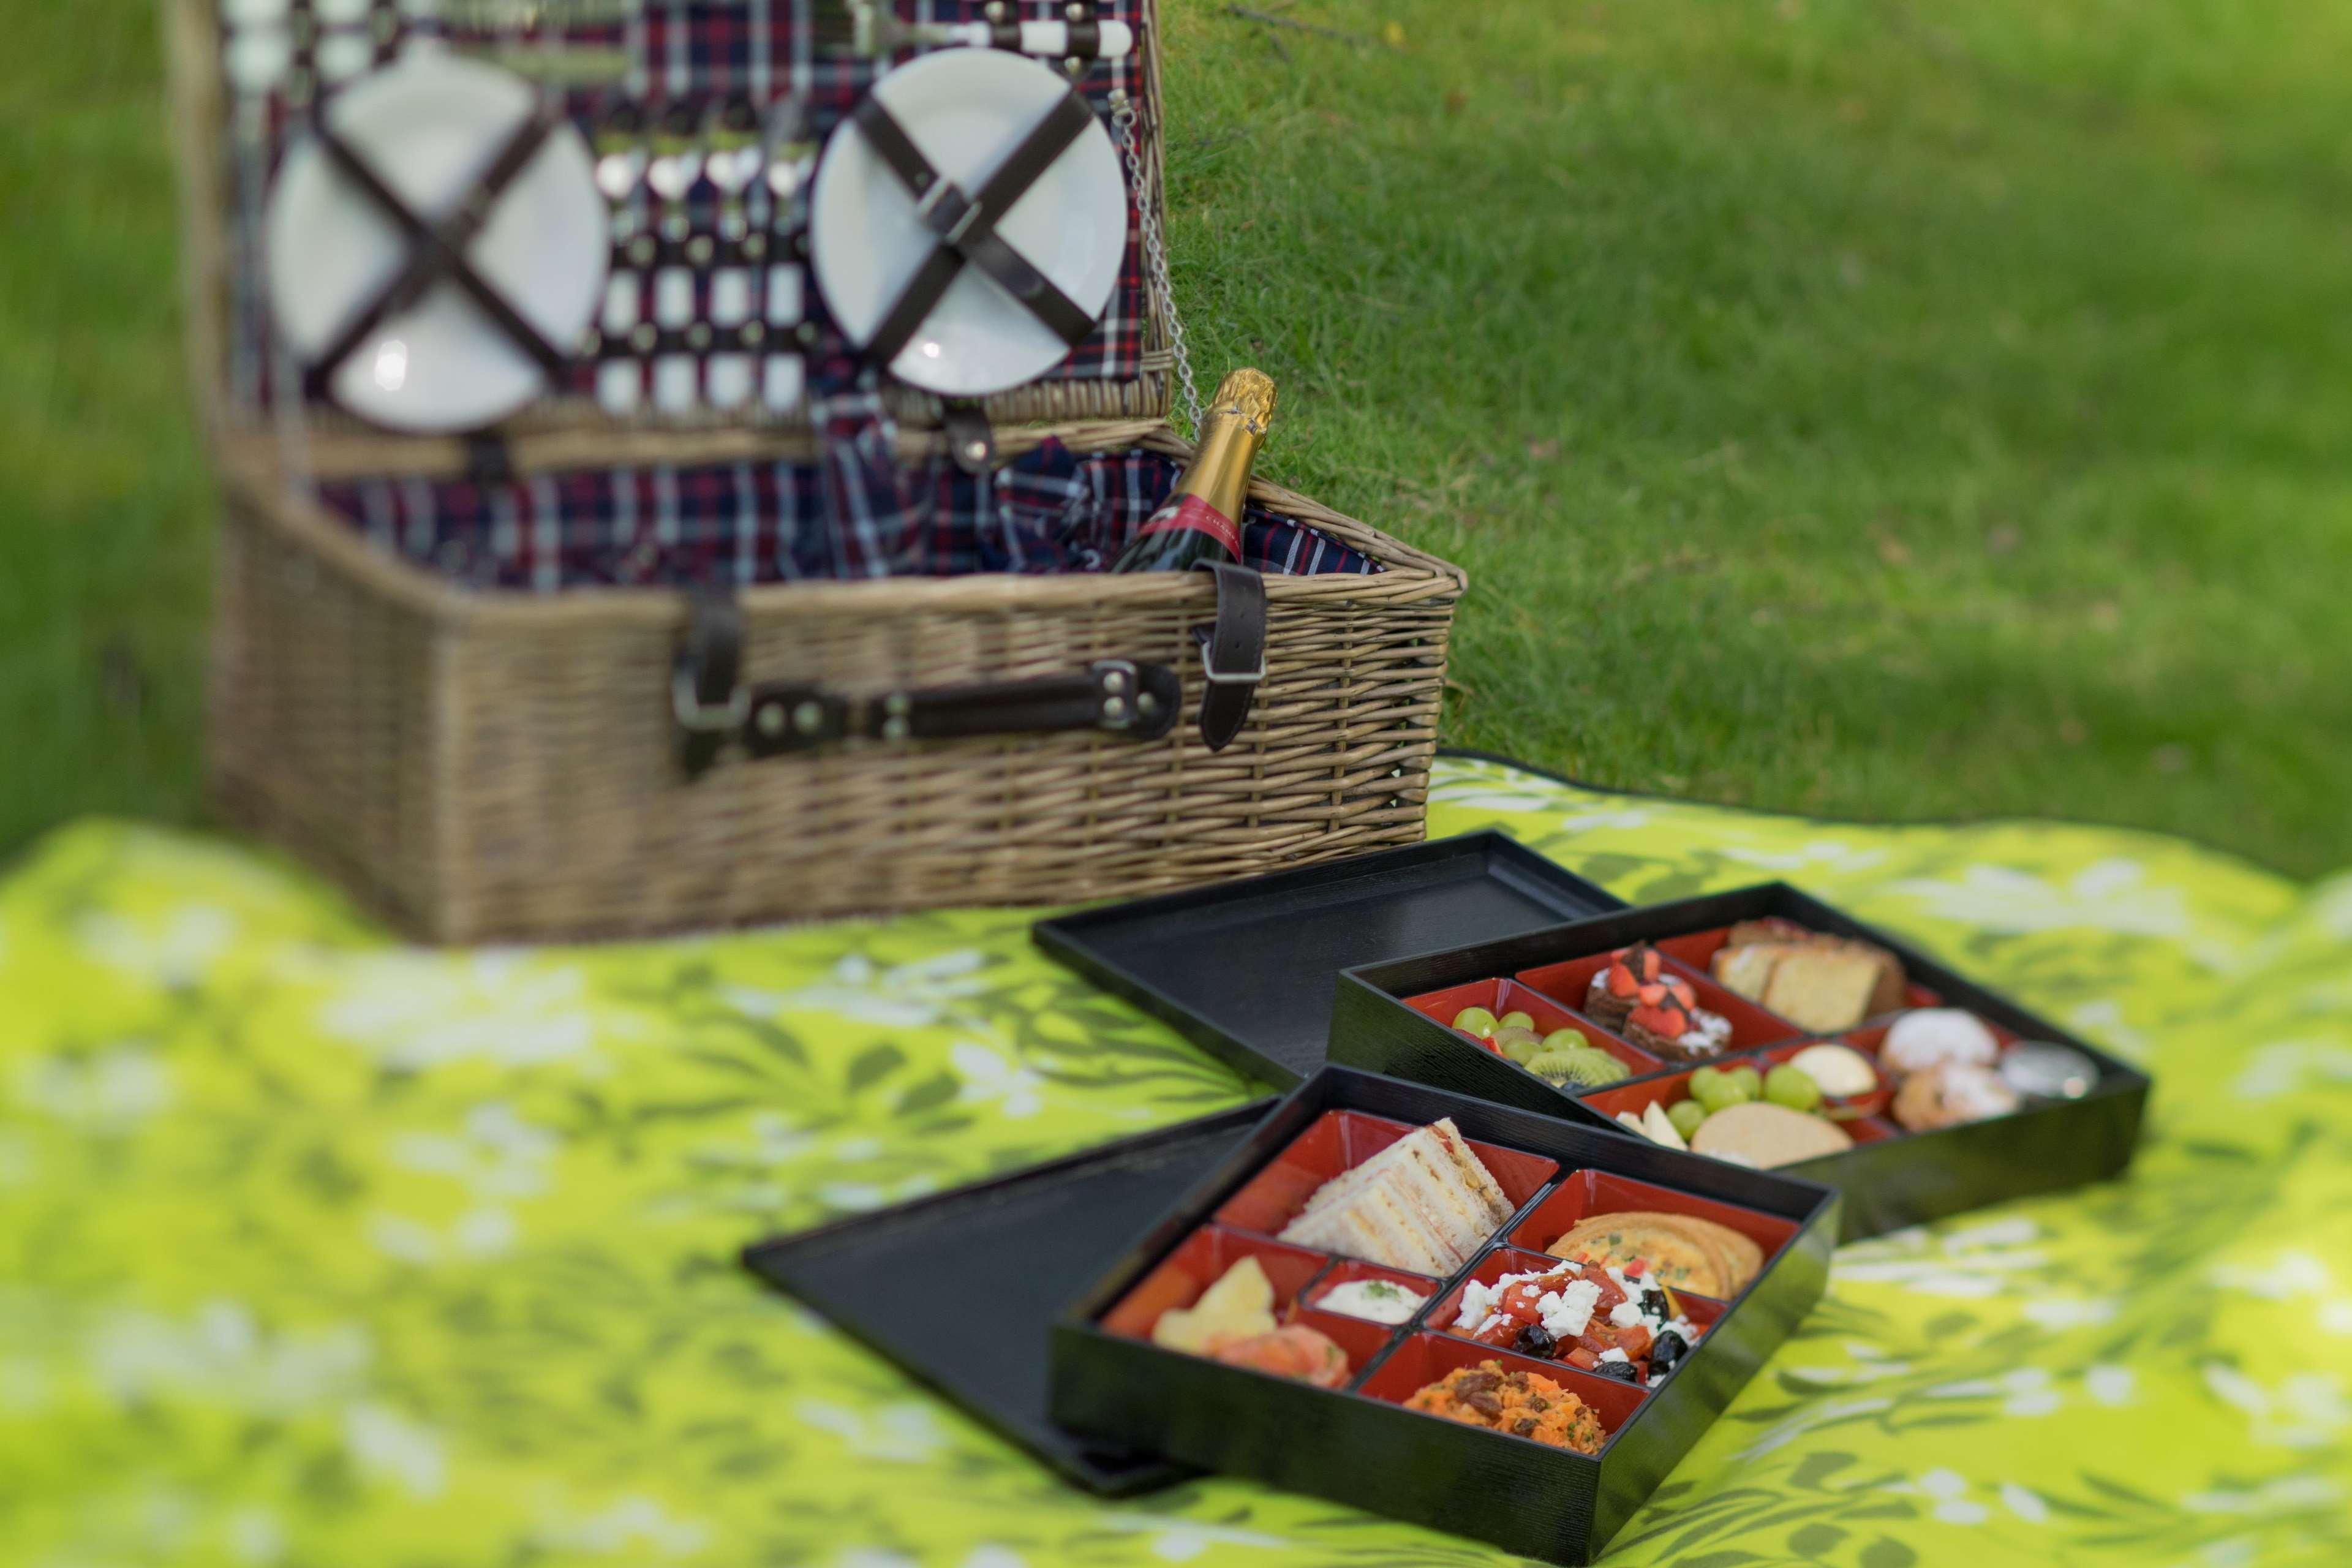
[[1191, 512]]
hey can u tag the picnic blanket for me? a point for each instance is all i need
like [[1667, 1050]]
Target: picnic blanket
[[320, 1250]]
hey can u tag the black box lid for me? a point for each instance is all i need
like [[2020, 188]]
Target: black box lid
[[1020, 1247], [1247, 970]]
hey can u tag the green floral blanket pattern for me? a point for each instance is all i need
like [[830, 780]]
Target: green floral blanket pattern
[[315, 1249]]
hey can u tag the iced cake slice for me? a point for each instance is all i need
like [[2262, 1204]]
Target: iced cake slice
[[1820, 982]]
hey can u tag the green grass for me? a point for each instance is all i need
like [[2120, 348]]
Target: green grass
[[1841, 405]]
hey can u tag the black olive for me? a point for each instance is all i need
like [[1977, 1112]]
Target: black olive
[[1622, 1371], [1654, 1303], [1537, 1339], [1666, 1350]]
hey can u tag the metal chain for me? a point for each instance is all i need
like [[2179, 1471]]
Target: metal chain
[[1186, 399]]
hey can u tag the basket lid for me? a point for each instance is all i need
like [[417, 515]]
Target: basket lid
[[708, 332]]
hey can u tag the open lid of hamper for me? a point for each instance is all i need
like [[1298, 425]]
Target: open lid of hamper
[[1084, 1287], [612, 293], [614, 232]]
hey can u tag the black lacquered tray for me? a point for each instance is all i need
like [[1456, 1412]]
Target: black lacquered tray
[[1359, 1443], [1246, 970], [1393, 1017], [1018, 1247]]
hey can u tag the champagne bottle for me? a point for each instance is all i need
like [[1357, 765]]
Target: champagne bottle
[[1202, 518]]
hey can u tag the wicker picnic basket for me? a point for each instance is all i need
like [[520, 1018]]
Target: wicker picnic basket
[[480, 763]]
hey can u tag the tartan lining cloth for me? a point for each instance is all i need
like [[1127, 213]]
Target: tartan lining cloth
[[702, 53], [736, 524]]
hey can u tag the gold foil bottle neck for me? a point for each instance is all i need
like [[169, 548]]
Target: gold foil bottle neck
[[1248, 394]]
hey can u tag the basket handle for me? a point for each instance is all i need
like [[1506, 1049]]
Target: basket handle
[[1133, 698]]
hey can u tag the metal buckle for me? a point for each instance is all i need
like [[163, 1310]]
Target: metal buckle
[[937, 190], [699, 718], [1215, 677]]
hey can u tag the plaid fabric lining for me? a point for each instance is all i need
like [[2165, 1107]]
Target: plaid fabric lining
[[738, 524], [701, 53]]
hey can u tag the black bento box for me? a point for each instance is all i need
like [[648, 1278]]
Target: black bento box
[[1359, 1444], [1393, 1017]]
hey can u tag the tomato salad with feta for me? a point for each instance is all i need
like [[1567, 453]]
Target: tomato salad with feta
[[1617, 1322]]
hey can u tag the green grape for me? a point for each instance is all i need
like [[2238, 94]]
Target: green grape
[[1521, 1045], [1476, 1021], [1567, 1040], [1686, 1114], [1516, 1020], [1711, 1087], [1789, 1086], [1747, 1084]]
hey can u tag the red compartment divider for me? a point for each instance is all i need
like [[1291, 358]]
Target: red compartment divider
[[1199, 1261], [1348, 1270], [1582, 1195], [1423, 1358], [1501, 996], [1339, 1141], [1751, 1026], [1567, 982], [1702, 1310], [1697, 951], [1916, 996]]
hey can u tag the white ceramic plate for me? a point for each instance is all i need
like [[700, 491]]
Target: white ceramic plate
[[967, 110], [428, 126]]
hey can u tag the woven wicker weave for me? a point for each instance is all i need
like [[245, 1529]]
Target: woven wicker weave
[[483, 765]]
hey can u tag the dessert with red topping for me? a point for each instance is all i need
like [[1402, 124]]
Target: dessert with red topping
[[1654, 1007]]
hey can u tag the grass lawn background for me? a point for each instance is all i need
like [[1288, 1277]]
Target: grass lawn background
[[1841, 405]]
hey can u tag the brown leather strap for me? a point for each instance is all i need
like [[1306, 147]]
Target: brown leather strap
[[965, 226], [1141, 702], [704, 698], [713, 710], [1232, 651], [437, 248]]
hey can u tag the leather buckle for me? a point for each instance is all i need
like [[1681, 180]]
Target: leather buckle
[[958, 218], [1215, 677], [699, 718]]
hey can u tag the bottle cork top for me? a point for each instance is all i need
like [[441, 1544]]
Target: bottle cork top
[[1249, 394]]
